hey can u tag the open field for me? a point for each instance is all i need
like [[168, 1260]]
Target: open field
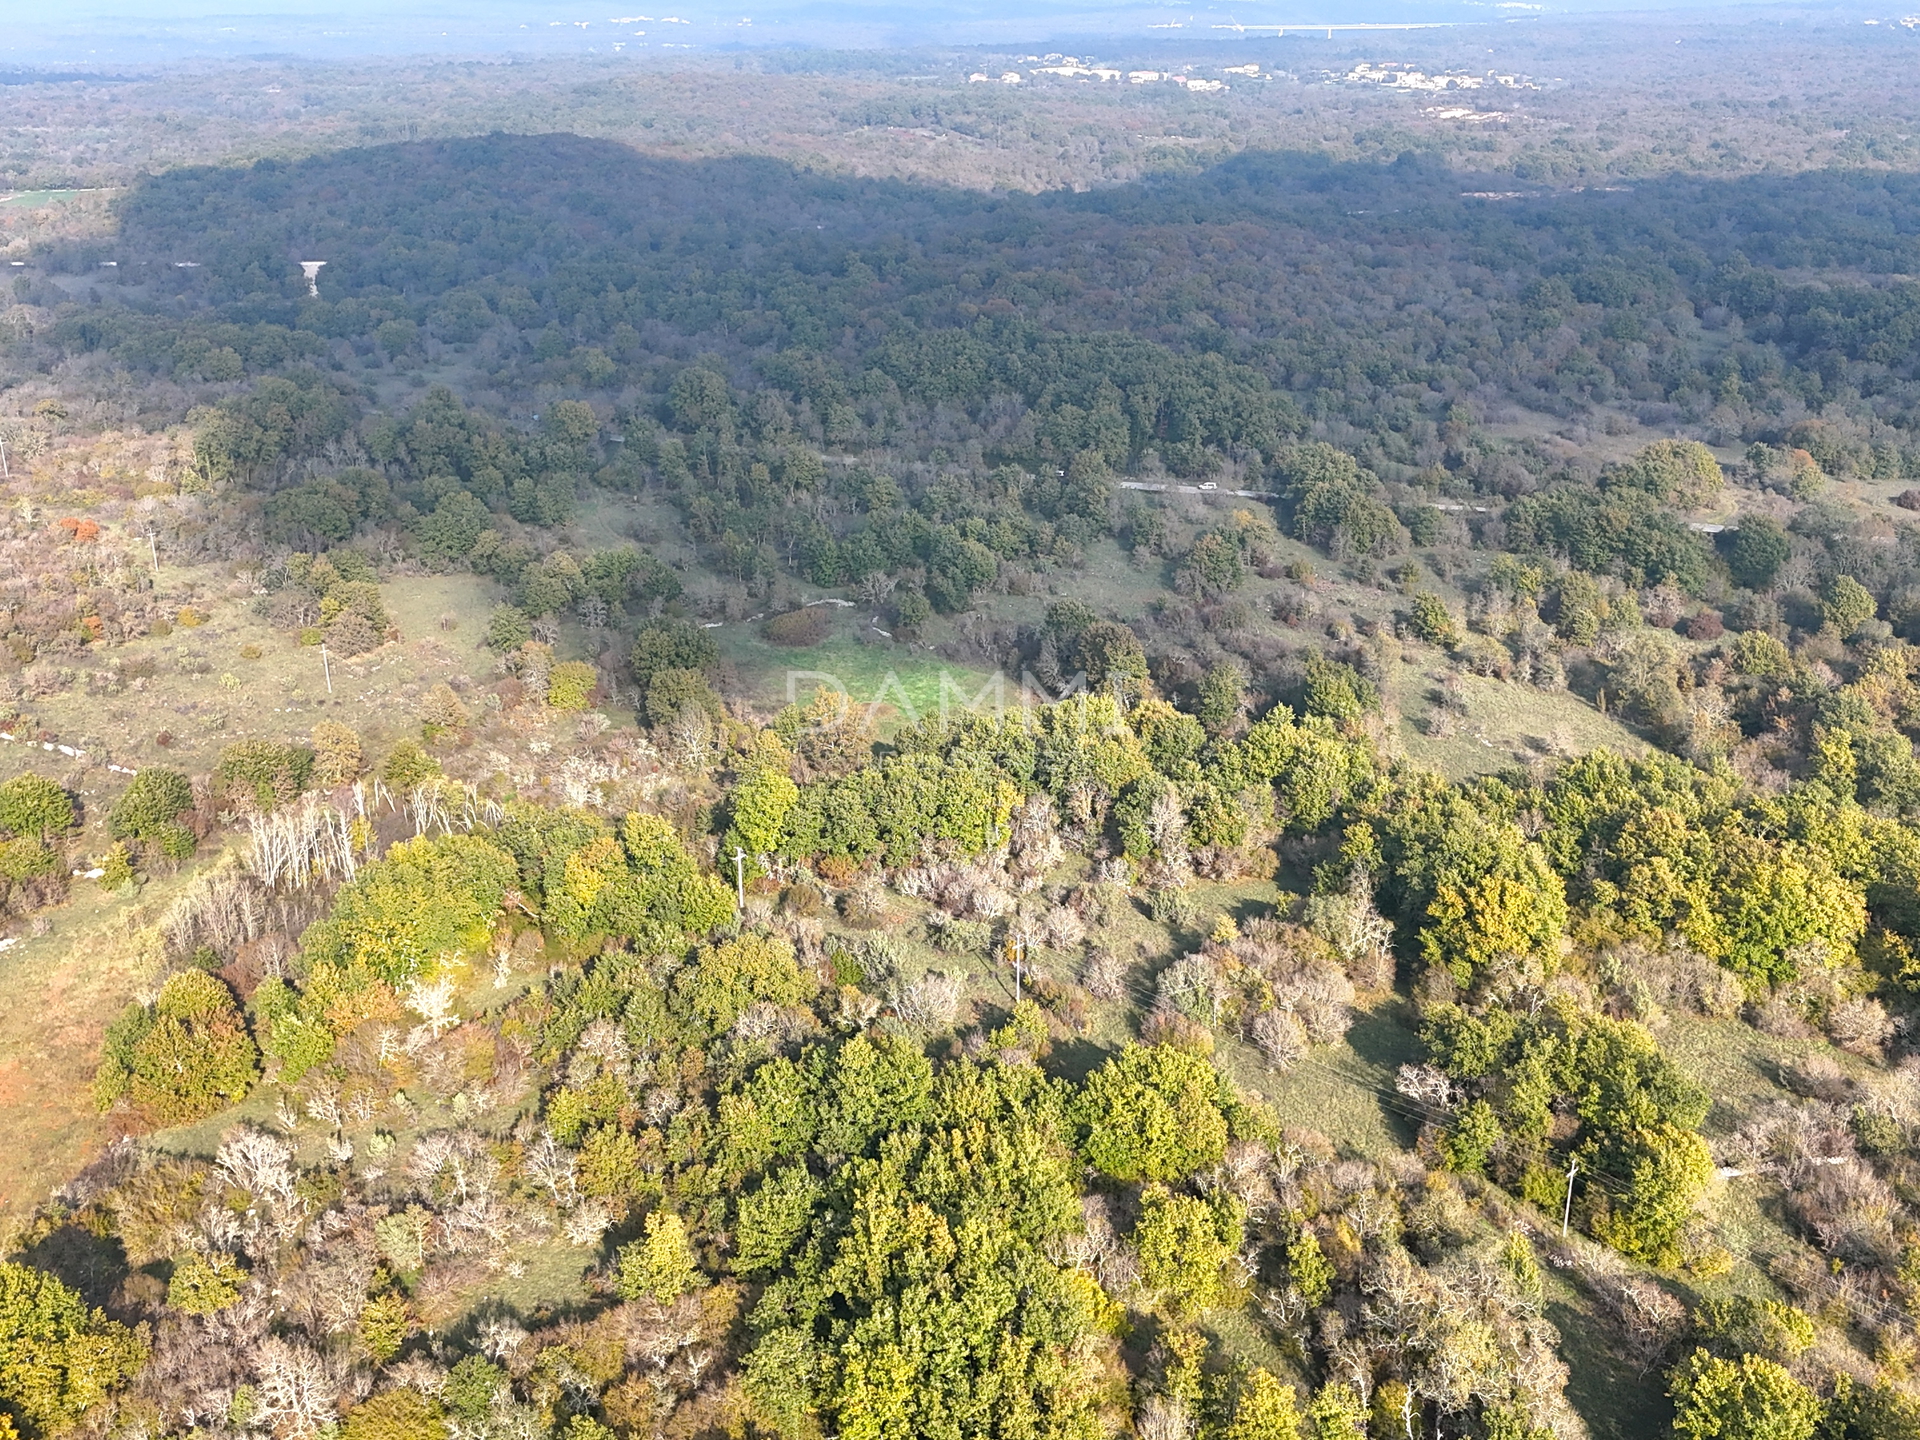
[[63, 986], [28, 199], [198, 687], [1504, 723], [897, 683]]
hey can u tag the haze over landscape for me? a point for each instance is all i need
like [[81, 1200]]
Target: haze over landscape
[[966, 721], [73, 32]]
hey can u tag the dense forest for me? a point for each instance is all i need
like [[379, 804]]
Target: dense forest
[[1281, 266], [1413, 929]]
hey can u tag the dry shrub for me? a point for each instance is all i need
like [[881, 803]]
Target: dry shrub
[[1440, 1219], [1161, 1417], [1860, 1025], [1707, 625], [443, 709], [931, 1002], [1105, 975], [975, 891], [1818, 1077], [337, 755], [779, 1025], [1236, 862], [801, 899], [865, 906], [1790, 1142], [153, 1205], [1371, 971], [989, 902], [1718, 994], [1781, 1018], [352, 634], [799, 628], [1804, 1277], [1673, 978], [947, 933], [1166, 1026], [446, 1290], [836, 869], [1303, 973], [1033, 842], [1650, 1318], [1061, 928], [1896, 1093], [1193, 986], [1281, 1038], [1347, 920], [1851, 1211], [1426, 1085], [917, 882], [1097, 905]]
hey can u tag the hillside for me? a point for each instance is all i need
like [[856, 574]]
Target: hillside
[[820, 749]]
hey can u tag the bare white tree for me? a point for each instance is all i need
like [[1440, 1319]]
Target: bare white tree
[[1281, 1038], [432, 1001], [260, 1164], [295, 1395], [929, 1003], [587, 1222], [298, 848], [551, 1166]]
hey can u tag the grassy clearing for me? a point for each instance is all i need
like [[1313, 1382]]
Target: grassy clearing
[[901, 683], [1743, 1069], [199, 688], [29, 199], [1738, 1064], [62, 989], [1505, 723]]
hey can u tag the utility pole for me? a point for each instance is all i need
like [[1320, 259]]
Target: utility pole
[[1017, 947], [5, 473], [740, 876], [326, 668], [1566, 1212], [153, 550]]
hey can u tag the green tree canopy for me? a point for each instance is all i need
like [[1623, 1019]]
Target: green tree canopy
[[1154, 1113], [184, 1057], [57, 1358], [33, 806], [428, 901], [1746, 1399]]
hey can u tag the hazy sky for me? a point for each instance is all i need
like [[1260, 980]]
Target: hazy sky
[[80, 31]]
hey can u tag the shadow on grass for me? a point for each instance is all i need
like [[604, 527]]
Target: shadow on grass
[[1383, 1040], [1616, 1400]]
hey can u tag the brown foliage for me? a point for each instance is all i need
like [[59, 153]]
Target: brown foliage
[[799, 628]]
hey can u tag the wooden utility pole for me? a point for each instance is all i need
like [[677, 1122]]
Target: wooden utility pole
[[740, 876]]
